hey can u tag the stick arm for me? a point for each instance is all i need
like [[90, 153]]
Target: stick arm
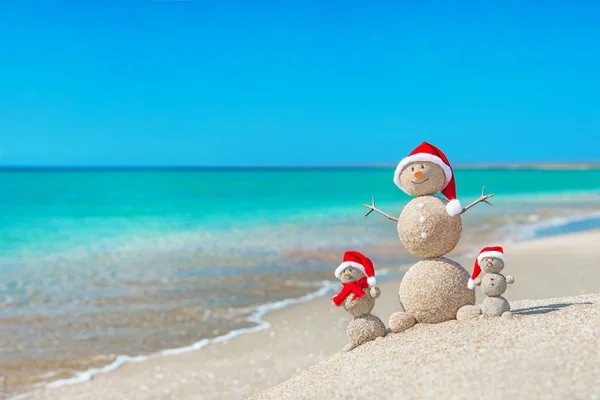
[[482, 199], [372, 208]]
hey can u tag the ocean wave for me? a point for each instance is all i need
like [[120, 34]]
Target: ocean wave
[[536, 226], [549, 197], [256, 317]]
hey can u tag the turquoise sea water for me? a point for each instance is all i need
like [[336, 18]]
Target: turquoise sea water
[[159, 259], [52, 211]]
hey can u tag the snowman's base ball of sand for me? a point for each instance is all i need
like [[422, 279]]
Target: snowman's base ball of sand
[[494, 306], [433, 290], [364, 329], [426, 229]]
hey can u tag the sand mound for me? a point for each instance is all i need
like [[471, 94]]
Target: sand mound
[[549, 349]]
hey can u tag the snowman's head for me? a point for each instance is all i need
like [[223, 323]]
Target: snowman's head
[[351, 274], [491, 265], [422, 178]]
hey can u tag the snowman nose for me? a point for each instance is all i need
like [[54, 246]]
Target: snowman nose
[[418, 174]]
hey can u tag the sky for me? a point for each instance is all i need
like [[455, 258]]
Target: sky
[[221, 83]]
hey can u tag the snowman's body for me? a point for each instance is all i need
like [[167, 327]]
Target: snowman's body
[[436, 288], [425, 228], [359, 306], [493, 284]]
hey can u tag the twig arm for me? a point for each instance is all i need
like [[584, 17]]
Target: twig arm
[[482, 199], [372, 208]]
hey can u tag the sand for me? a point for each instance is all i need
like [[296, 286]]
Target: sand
[[548, 349], [541, 352]]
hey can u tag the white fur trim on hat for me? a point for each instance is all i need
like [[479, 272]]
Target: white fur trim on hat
[[346, 264], [494, 254], [471, 284], [454, 207], [421, 157], [371, 281]]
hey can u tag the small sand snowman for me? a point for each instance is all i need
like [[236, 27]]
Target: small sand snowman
[[434, 289], [493, 284], [358, 298]]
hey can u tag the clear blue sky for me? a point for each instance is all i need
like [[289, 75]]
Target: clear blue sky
[[118, 82]]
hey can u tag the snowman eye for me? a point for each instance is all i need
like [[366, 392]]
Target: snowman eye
[[422, 166], [412, 168]]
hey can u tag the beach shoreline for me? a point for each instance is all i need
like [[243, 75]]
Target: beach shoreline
[[321, 327], [183, 325]]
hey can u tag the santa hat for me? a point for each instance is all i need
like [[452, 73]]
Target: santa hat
[[428, 152], [359, 261], [494, 251]]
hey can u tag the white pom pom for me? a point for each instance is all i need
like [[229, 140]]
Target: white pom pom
[[471, 284], [454, 207], [371, 281]]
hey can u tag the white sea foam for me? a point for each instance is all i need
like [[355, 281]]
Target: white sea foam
[[256, 317], [550, 197], [514, 232], [531, 231], [23, 396]]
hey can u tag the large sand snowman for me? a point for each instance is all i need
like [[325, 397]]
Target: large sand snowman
[[434, 289]]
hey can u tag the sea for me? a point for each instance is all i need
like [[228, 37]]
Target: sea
[[103, 267]]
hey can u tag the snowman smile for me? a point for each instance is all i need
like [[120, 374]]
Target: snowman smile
[[418, 183]]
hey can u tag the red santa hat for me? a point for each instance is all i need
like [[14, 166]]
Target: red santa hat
[[493, 251], [428, 152], [359, 261]]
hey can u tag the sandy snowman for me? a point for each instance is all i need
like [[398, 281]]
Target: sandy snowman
[[358, 298], [434, 289], [493, 285]]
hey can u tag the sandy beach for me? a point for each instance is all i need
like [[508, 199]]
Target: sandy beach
[[204, 200], [553, 330], [549, 349]]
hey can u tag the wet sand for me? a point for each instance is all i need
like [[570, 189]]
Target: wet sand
[[306, 334]]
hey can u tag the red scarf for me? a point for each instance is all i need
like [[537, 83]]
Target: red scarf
[[355, 287]]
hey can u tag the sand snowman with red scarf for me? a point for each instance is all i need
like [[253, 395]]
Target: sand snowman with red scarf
[[358, 296], [434, 289]]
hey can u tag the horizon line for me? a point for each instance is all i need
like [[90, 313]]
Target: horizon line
[[512, 165]]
